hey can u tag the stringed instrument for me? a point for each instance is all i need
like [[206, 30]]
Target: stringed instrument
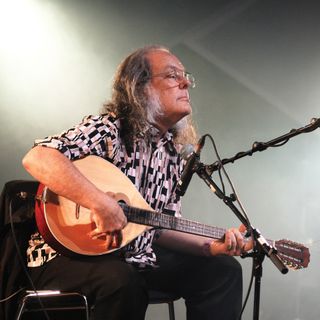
[[65, 225]]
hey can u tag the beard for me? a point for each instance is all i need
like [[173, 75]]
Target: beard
[[181, 125], [153, 105], [155, 111]]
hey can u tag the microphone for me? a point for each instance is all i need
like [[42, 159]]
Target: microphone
[[188, 171]]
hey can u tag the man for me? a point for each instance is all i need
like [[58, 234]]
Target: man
[[141, 131]]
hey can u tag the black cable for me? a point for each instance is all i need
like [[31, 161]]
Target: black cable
[[248, 292], [221, 181], [221, 167], [22, 262], [12, 295]]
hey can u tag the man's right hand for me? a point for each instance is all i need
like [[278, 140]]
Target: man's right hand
[[109, 220]]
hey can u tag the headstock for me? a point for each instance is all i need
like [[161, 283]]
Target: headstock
[[293, 254]]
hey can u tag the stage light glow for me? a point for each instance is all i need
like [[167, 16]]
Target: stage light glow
[[42, 57], [33, 44], [31, 33], [20, 27]]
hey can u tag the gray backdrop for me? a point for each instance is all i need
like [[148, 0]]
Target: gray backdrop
[[257, 65]]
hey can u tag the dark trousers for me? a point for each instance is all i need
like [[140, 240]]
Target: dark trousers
[[211, 287]]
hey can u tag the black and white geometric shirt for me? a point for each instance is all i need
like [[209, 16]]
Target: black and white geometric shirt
[[153, 167]]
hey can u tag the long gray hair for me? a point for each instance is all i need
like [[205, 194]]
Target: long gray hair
[[133, 103]]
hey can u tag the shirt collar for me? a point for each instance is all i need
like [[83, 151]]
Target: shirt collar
[[158, 139], [156, 135]]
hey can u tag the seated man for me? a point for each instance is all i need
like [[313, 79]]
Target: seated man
[[141, 131]]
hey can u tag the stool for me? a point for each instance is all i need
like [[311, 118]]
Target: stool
[[53, 302], [57, 301]]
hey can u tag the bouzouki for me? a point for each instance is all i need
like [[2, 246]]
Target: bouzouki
[[65, 225]]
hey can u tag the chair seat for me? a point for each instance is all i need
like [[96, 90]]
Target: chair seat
[[56, 304], [156, 297]]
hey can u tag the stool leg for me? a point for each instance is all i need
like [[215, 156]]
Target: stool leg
[[171, 310], [20, 311]]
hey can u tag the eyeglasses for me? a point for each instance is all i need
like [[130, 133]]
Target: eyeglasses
[[179, 76]]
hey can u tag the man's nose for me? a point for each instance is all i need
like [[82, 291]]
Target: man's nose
[[184, 83]]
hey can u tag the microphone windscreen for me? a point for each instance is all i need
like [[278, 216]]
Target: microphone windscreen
[[186, 151]]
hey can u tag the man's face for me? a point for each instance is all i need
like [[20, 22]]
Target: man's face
[[173, 95]]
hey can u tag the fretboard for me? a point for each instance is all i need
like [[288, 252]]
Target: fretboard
[[160, 220]]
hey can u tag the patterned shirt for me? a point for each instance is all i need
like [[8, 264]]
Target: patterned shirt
[[153, 167]]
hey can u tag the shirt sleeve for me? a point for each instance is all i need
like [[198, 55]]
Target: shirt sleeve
[[94, 135]]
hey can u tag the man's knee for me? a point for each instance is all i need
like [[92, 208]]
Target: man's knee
[[230, 265], [121, 294], [229, 269], [124, 279]]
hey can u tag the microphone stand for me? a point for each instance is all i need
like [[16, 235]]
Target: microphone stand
[[261, 247], [261, 146]]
